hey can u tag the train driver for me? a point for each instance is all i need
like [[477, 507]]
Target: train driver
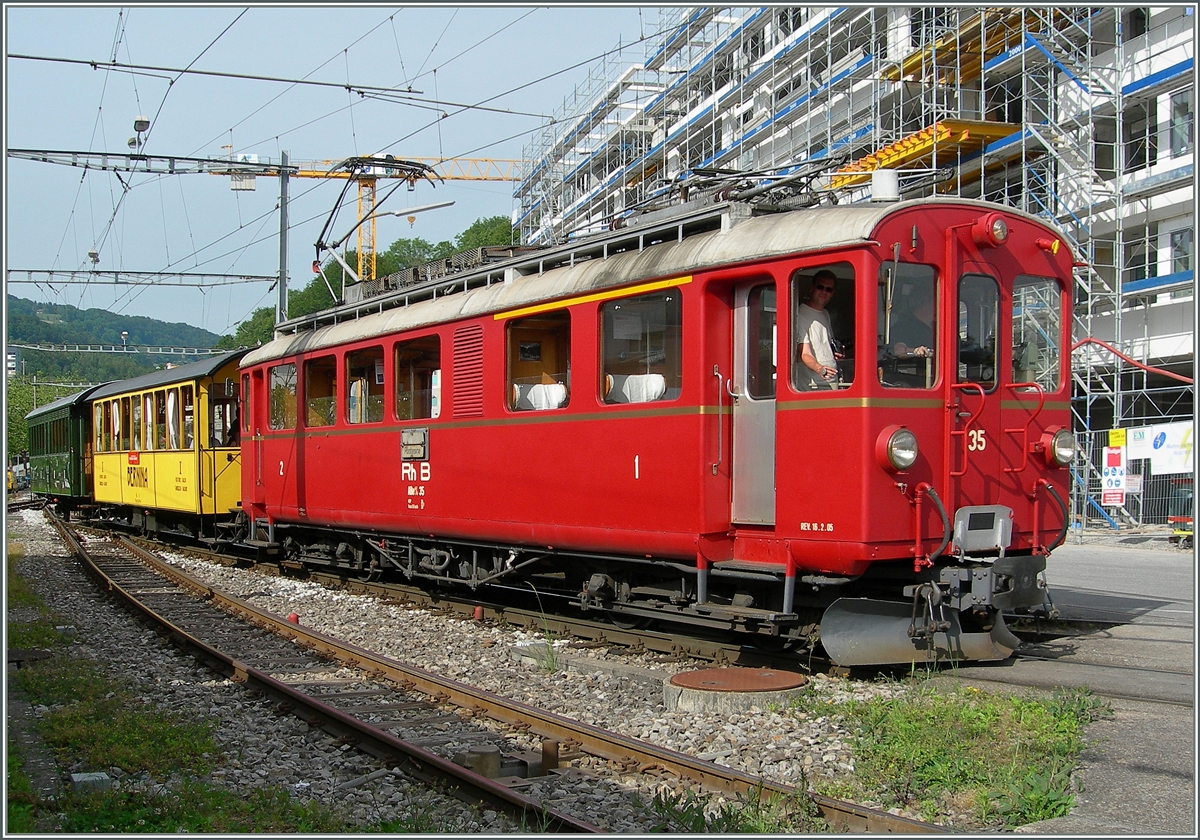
[[818, 362], [912, 334]]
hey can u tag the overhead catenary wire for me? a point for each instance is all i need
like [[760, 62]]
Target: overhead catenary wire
[[384, 94]]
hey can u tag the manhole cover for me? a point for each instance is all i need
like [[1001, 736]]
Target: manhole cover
[[739, 679]]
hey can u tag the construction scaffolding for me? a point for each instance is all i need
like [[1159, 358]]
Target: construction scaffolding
[[1080, 115]]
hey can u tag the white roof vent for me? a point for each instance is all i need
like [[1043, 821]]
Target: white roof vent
[[885, 185]]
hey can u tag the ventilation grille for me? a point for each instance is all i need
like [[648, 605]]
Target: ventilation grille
[[468, 372]]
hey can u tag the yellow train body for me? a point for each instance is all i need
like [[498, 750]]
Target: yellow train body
[[167, 443]]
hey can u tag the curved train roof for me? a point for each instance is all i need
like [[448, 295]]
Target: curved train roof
[[183, 373], [63, 402], [755, 238]]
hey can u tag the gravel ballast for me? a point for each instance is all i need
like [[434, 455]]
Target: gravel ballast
[[613, 689]]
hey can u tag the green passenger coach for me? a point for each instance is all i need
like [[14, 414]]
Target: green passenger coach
[[60, 454]]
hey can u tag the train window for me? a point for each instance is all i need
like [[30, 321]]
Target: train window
[[223, 408], [320, 391], [978, 308], [160, 419], [124, 424], [761, 334], [539, 361], [1037, 321], [148, 415], [641, 348], [172, 418], [189, 418], [137, 423], [823, 306], [282, 400], [418, 378], [907, 325], [100, 423], [245, 395], [364, 381]]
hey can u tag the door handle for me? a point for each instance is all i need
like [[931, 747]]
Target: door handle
[[721, 386]]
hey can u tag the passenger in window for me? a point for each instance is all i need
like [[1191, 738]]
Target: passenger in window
[[912, 333], [818, 361]]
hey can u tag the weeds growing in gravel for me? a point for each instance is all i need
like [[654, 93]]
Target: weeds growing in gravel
[[96, 723], [1008, 757], [756, 813], [21, 801]]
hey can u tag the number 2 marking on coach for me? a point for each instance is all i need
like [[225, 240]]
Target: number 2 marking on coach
[[976, 440]]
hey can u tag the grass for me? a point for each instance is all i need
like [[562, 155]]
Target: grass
[[22, 803], [1007, 758], [755, 813], [95, 722]]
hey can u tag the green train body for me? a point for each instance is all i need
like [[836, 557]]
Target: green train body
[[60, 455]]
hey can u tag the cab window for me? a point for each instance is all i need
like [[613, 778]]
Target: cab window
[[907, 325], [539, 361], [320, 391], [418, 374], [282, 399], [978, 308], [640, 348], [364, 386], [1037, 321], [823, 307], [245, 395]]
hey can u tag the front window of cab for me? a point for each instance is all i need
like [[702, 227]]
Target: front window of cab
[[978, 311], [907, 325], [1037, 323]]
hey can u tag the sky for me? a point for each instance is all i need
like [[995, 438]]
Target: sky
[[516, 65]]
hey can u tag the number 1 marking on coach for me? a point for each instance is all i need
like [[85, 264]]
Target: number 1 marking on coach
[[637, 473]]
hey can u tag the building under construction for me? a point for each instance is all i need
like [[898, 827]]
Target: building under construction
[[1081, 115]]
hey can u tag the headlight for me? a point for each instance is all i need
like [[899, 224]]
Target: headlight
[[990, 231], [1062, 447], [999, 230], [896, 448]]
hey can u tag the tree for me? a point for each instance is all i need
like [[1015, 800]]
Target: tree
[[259, 328], [495, 230], [19, 403]]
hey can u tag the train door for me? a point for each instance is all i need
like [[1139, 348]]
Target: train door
[[976, 438], [221, 458], [752, 386]]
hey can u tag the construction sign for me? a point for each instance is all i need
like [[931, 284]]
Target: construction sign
[[1112, 493]]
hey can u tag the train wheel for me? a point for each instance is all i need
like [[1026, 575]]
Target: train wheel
[[628, 622]]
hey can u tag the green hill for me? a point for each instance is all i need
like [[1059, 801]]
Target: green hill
[[31, 322]]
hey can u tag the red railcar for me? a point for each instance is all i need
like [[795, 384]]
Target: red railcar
[[625, 422]]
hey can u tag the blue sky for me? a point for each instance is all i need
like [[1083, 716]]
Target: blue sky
[[466, 55]]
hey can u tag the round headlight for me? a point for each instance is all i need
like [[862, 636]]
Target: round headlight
[[999, 230], [1062, 447], [990, 231], [896, 448]]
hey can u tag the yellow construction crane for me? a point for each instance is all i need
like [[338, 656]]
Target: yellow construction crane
[[366, 172]]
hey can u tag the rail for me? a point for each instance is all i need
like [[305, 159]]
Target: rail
[[842, 816]]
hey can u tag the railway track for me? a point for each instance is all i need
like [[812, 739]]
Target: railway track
[[292, 664]]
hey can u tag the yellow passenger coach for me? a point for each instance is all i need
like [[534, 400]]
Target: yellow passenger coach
[[166, 448]]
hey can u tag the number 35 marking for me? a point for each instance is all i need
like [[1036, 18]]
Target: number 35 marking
[[976, 441]]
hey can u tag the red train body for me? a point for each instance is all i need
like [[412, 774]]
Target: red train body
[[625, 422]]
